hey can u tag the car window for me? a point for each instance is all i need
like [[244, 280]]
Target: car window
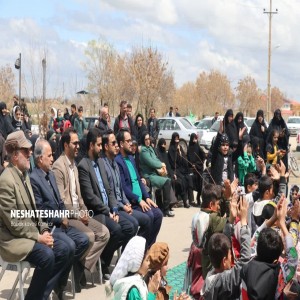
[[161, 124], [204, 124], [216, 126], [170, 124], [250, 122], [294, 120], [185, 123]]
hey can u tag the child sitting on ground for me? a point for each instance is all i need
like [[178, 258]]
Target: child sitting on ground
[[223, 282]]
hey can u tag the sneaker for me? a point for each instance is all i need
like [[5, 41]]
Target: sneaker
[[169, 214]]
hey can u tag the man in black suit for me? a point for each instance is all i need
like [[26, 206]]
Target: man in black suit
[[98, 196], [48, 199]]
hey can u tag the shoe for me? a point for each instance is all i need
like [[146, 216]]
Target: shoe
[[186, 205], [83, 280], [168, 213], [105, 273], [194, 204], [59, 293]]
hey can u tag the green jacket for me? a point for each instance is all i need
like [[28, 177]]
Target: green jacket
[[246, 164], [149, 163]]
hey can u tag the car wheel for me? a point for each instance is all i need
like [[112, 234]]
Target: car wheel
[[183, 144]]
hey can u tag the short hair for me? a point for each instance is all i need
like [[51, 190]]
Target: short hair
[[73, 106], [129, 105], [121, 135], [39, 149], [123, 102], [152, 109], [66, 137], [210, 193], [269, 245], [250, 179], [92, 136], [295, 188], [265, 184], [80, 108], [171, 107], [218, 248], [105, 138]]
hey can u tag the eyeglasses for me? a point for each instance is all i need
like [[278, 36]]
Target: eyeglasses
[[113, 143], [75, 143]]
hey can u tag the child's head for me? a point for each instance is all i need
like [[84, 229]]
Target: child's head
[[265, 187], [249, 149], [219, 251], [250, 183], [211, 195], [294, 193], [275, 135], [159, 257], [224, 144], [269, 246]]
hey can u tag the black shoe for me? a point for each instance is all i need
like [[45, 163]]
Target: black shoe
[[168, 213], [105, 272], [83, 280], [186, 205]]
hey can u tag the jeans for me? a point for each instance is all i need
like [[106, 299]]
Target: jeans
[[50, 264]]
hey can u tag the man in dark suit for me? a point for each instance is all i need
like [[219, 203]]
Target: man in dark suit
[[28, 238], [133, 187], [99, 197], [47, 198]]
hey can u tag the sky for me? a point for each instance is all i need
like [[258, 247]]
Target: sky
[[194, 36]]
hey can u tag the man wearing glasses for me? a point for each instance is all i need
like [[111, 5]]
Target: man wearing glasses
[[66, 175], [133, 187], [27, 238]]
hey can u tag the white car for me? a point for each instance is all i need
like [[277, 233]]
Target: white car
[[293, 124], [208, 136], [168, 125]]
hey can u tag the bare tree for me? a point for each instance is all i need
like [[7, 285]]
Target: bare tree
[[214, 92], [7, 83], [248, 96], [277, 99]]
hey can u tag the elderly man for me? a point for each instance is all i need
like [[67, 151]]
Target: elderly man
[[28, 238], [103, 122], [47, 198], [66, 175]]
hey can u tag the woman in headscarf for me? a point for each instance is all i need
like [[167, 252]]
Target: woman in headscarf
[[5, 121], [58, 124], [196, 157], [279, 124], [149, 164], [140, 128], [259, 131], [52, 118], [16, 121], [240, 124], [180, 167], [230, 127]]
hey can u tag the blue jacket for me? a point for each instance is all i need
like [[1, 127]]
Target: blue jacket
[[126, 180]]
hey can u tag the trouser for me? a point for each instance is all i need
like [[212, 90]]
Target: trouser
[[76, 240], [120, 234], [50, 264], [98, 236], [142, 220], [156, 217]]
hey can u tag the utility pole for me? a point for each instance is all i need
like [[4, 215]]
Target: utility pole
[[18, 66], [44, 84], [270, 13]]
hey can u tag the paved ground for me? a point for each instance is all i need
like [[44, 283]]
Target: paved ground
[[175, 231]]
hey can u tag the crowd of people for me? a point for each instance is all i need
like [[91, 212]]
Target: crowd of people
[[113, 184]]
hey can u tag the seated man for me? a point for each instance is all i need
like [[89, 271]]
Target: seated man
[[99, 198], [111, 149], [28, 238], [47, 198], [133, 187], [67, 180]]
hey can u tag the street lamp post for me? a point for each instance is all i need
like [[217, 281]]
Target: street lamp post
[[44, 84], [18, 66], [270, 13]]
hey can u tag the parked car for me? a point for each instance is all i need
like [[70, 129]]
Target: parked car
[[248, 122], [208, 136], [293, 124], [203, 125], [168, 125]]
